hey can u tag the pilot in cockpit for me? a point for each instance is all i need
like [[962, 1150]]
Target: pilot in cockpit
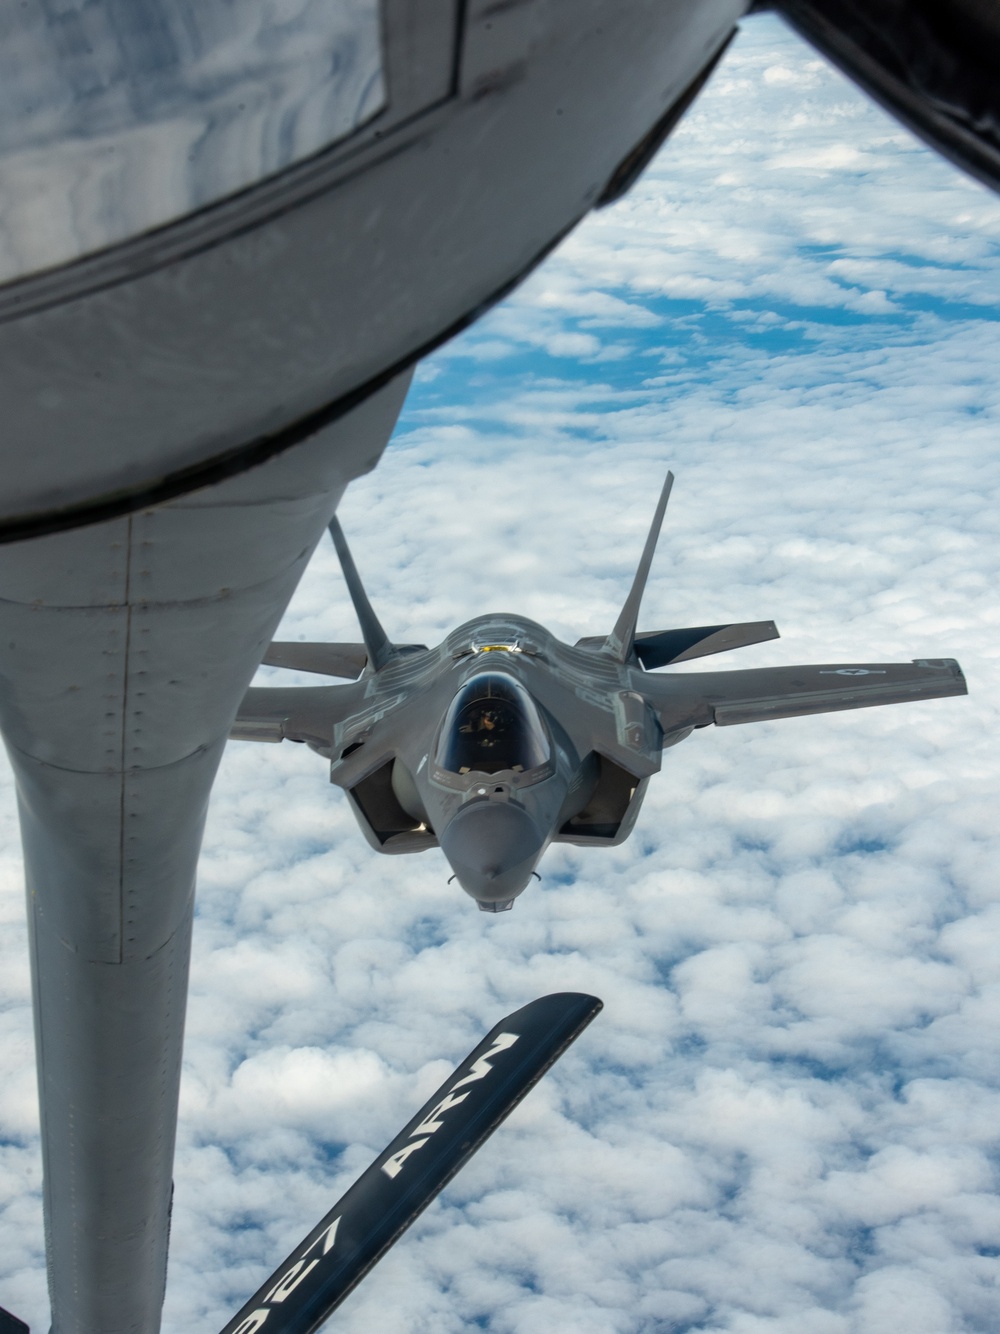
[[492, 725]]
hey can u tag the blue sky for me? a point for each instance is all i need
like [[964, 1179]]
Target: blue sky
[[785, 1119]]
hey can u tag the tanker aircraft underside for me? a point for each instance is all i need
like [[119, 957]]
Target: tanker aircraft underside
[[503, 739]]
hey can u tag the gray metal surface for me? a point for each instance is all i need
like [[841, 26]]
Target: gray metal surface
[[207, 345], [503, 740], [192, 350], [124, 649], [119, 117]]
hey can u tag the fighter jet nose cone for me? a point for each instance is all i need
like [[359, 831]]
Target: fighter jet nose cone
[[492, 847]]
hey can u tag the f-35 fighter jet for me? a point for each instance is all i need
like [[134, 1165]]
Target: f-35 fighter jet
[[503, 740]]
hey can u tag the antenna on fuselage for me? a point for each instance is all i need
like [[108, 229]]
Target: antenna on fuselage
[[377, 643], [621, 641]]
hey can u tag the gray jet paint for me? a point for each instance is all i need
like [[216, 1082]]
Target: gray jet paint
[[503, 740]]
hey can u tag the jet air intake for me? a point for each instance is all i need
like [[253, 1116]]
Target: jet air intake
[[492, 846]]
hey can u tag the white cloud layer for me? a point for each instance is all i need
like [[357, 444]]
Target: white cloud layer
[[785, 1121]]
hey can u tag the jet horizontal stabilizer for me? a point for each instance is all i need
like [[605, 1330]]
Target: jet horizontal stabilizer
[[343, 660], [9, 1324], [320, 1272], [660, 648], [292, 713]]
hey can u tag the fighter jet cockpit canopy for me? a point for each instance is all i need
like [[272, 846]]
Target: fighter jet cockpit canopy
[[492, 725]]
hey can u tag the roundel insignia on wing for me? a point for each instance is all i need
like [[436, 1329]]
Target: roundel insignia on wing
[[852, 671]]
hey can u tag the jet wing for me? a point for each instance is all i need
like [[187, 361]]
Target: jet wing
[[293, 713], [760, 694]]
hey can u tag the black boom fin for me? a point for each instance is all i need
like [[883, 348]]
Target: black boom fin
[[9, 1324], [620, 643], [335, 1256]]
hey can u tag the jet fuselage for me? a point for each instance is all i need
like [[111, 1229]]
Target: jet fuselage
[[496, 779]]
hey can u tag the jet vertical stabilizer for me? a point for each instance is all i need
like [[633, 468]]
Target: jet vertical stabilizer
[[380, 649], [621, 641]]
